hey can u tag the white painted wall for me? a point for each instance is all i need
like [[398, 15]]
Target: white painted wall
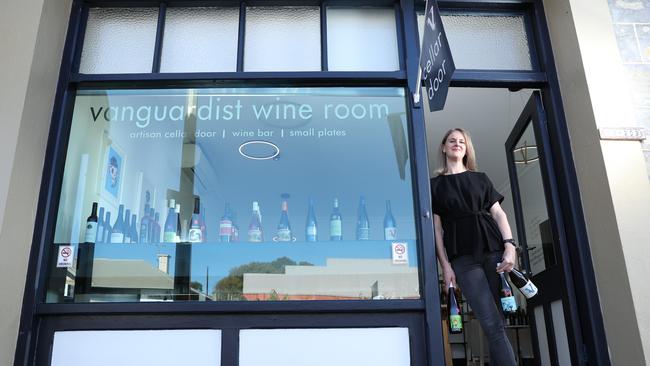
[[612, 178], [32, 35]]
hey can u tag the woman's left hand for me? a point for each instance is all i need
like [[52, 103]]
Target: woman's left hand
[[509, 259]]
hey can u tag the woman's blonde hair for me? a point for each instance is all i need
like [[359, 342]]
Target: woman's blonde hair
[[469, 160]]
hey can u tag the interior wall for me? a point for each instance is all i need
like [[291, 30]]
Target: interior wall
[[614, 188], [32, 36]]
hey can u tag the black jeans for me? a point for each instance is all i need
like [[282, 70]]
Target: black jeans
[[480, 283]]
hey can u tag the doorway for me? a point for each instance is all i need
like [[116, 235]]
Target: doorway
[[507, 129]]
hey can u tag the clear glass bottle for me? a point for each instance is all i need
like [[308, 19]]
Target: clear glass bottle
[[363, 224]]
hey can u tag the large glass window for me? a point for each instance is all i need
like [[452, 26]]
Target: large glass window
[[236, 194]]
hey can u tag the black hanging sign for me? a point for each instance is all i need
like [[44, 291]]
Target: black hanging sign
[[436, 64]]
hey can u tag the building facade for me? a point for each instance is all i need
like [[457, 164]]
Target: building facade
[[131, 105]]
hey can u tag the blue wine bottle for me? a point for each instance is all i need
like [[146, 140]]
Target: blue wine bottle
[[117, 233], [311, 228], [127, 226], [100, 226], [145, 226], [390, 228], [134, 228], [108, 230]]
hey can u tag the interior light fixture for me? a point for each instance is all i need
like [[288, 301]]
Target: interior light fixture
[[525, 154]]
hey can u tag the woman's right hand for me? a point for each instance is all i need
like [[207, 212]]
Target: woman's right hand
[[449, 276]]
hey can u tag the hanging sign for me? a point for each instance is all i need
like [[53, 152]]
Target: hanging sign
[[436, 63]]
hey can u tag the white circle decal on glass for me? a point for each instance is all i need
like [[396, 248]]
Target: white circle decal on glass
[[262, 146]]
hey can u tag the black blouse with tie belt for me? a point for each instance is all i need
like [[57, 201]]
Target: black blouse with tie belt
[[463, 203]]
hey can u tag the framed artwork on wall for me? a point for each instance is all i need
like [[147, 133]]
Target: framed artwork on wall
[[113, 174]]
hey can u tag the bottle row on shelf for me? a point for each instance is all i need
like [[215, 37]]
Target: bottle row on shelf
[[126, 229]]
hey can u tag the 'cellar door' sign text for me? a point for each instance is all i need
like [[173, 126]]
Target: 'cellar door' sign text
[[436, 63]]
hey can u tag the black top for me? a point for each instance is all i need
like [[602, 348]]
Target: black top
[[463, 202]]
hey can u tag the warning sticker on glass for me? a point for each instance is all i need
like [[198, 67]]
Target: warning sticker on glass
[[400, 253], [66, 256]]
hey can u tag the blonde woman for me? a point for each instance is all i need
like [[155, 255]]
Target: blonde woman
[[473, 237]]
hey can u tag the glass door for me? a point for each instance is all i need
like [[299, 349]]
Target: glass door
[[537, 216]]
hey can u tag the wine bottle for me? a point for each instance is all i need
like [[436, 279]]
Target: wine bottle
[[145, 226], [390, 228], [177, 211], [284, 227], [255, 234], [525, 286], [169, 232], [127, 226], [455, 314], [363, 224], [134, 228], [100, 226], [204, 229], [336, 223], [91, 225], [311, 228], [234, 236], [225, 225], [117, 233], [108, 230], [156, 226], [508, 303], [195, 234]]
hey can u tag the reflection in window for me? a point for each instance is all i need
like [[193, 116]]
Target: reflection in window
[[238, 194]]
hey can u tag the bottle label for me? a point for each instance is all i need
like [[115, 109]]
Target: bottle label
[[144, 233], [390, 233], [529, 289], [117, 238], [195, 235], [456, 323], [284, 235], [508, 304], [255, 235], [91, 232], [335, 228], [225, 228], [311, 233], [363, 233], [169, 236]]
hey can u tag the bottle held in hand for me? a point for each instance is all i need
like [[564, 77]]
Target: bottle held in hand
[[525, 285], [508, 302], [455, 314]]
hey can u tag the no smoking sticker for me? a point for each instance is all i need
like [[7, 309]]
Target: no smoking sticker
[[400, 253], [66, 256]]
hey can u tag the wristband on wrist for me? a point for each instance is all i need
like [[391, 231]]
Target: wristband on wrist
[[511, 241]]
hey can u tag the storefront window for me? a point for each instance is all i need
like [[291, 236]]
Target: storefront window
[[236, 194]]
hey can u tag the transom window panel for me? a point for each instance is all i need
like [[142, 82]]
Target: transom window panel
[[200, 40], [119, 40], [362, 39], [236, 194], [282, 39], [488, 42]]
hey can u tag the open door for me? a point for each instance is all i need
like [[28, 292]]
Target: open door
[[539, 233]]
